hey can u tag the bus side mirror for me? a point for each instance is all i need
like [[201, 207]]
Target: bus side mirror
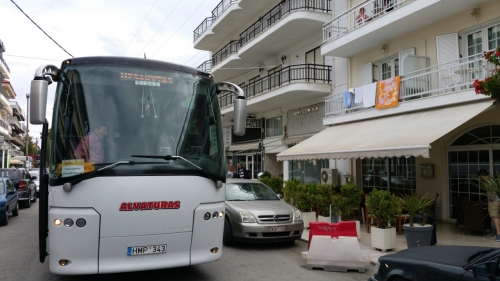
[[38, 101], [240, 106]]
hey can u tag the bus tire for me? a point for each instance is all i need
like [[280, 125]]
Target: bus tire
[[228, 234]]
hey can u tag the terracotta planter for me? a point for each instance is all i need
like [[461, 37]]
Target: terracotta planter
[[383, 238]]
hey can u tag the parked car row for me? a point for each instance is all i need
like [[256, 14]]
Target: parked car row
[[17, 187]]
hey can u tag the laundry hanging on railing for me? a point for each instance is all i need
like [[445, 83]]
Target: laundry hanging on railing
[[388, 93], [369, 94], [348, 99], [358, 95]]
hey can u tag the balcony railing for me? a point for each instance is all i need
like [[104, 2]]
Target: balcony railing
[[5, 64], [279, 11], [221, 7], [4, 124], [205, 66], [355, 18], [290, 74], [231, 48], [207, 23], [428, 82]]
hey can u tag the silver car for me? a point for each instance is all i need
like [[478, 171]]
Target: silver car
[[255, 213], [36, 173]]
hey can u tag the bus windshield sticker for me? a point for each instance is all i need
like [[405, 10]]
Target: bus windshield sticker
[[145, 79], [75, 167]]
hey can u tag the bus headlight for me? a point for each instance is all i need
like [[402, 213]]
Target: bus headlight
[[247, 217], [57, 222], [297, 216]]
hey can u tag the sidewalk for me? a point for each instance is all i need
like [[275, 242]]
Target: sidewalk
[[447, 234]]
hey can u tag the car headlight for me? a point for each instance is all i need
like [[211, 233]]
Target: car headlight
[[247, 217], [297, 216]]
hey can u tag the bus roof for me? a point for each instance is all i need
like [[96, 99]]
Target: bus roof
[[134, 62]]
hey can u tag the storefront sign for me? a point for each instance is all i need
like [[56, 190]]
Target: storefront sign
[[306, 120], [253, 123]]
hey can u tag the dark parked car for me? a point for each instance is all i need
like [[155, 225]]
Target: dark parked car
[[440, 263], [9, 203], [24, 184], [254, 213]]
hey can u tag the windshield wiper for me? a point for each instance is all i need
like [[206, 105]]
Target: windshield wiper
[[69, 185], [167, 158]]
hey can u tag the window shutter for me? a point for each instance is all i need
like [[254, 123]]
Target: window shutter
[[402, 55], [447, 48], [367, 74]]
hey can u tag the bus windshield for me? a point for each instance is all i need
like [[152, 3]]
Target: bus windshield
[[105, 114]]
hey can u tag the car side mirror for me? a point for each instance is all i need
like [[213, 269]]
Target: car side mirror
[[33, 177], [486, 269], [280, 196], [11, 191]]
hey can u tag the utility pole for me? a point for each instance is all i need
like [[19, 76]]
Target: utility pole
[[27, 128]]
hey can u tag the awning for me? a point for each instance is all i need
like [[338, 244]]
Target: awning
[[400, 135], [15, 162], [244, 147]]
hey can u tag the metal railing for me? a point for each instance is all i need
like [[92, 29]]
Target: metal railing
[[4, 124], [279, 11], [14, 121], [361, 14], [221, 7], [231, 48], [5, 64], [205, 66], [302, 72], [428, 82], [205, 24]]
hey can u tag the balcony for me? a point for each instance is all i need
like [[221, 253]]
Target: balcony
[[298, 82], [229, 17], [205, 66], [289, 23], [15, 123], [4, 103], [4, 69], [347, 34], [5, 129], [17, 140], [436, 86]]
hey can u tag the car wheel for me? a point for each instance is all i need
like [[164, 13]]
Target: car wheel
[[15, 213], [27, 203], [5, 220], [227, 238], [34, 197]]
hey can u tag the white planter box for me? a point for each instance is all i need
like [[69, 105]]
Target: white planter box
[[383, 239], [308, 217], [324, 219]]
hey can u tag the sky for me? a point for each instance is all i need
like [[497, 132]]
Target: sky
[[160, 29]]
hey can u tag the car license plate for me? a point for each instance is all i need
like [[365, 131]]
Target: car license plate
[[278, 228], [145, 250]]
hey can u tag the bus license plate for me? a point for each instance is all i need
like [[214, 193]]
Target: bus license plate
[[145, 250], [278, 228]]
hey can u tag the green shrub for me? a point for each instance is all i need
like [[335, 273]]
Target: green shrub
[[290, 191], [275, 183], [351, 199], [266, 174], [416, 204], [383, 205]]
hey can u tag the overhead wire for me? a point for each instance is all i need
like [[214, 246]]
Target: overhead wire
[[26, 57], [139, 27], [159, 27], [41, 28], [179, 28]]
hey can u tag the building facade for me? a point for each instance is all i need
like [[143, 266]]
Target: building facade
[[272, 50], [437, 134]]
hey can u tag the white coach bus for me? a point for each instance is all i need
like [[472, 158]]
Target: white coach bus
[[136, 165]]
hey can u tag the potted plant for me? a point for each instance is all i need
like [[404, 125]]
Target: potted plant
[[490, 86], [335, 214], [383, 205], [351, 199], [417, 234], [322, 200], [297, 194]]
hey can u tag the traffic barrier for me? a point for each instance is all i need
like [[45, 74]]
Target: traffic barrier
[[335, 254], [342, 228]]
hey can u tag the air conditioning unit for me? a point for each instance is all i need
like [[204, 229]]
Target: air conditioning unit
[[330, 176]]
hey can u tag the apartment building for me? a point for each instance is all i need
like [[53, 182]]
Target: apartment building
[[11, 129], [272, 50], [437, 134]]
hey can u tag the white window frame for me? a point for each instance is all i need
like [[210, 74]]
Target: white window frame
[[484, 30], [391, 58]]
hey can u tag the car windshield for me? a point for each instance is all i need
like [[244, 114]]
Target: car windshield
[[11, 174], [249, 192]]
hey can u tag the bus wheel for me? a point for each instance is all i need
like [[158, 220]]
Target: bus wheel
[[228, 234]]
